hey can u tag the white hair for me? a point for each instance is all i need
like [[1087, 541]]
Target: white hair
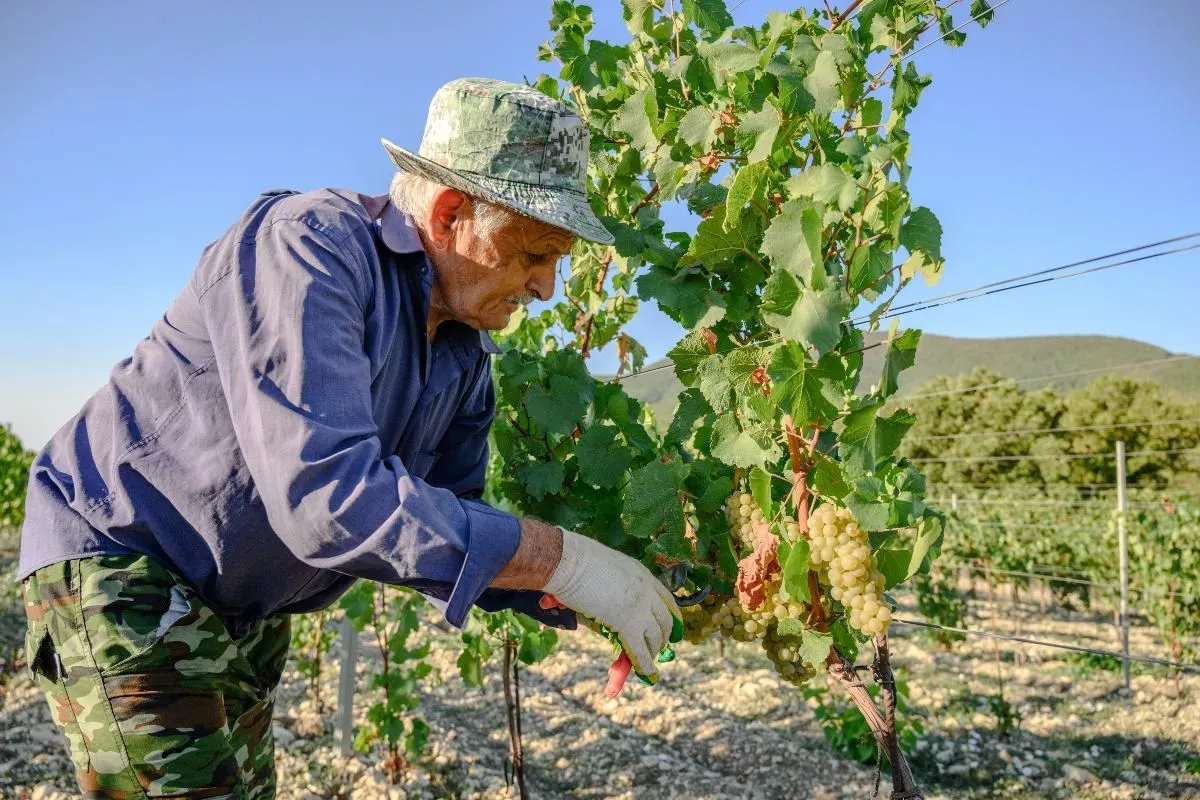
[[414, 194]]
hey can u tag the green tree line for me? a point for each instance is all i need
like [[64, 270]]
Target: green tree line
[[962, 417]]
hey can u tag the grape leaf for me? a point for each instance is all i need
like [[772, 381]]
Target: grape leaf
[[922, 233], [741, 366], [759, 130], [470, 667], [870, 513], [907, 86], [795, 571], [740, 448], [823, 84], [868, 267], [715, 384], [536, 645], [793, 240], [808, 391], [558, 410], [727, 59], [541, 478], [825, 477], [602, 459], [698, 128], [692, 406], [843, 638], [687, 356], [709, 16], [780, 294], [982, 13], [867, 437], [814, 646], [815, 321], [683, 295], [793, 97], [901, 354], [893, 565], [635, 119], [652, 499], [748, 183], [929, 540], [760, 490], [824, 183], [516, 371], [919, 262], [713, 242]]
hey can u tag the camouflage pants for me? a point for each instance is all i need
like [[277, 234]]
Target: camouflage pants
[[155, 697]]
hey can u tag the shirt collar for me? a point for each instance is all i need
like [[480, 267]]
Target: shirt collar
[[398, 231], [400, 235]]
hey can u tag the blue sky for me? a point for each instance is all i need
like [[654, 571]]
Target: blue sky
[[134, 133]]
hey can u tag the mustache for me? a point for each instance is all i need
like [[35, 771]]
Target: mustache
[[521, 299]]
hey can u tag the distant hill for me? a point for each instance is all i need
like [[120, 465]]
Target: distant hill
[[1023, 357]]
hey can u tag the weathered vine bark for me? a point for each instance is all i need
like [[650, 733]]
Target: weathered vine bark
[[512, 703], [842, 669]]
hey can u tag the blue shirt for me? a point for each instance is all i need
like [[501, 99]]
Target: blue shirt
[[288, 427]]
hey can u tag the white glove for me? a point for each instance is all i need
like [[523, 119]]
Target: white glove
[[617, 591]]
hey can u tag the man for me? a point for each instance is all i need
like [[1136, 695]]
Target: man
[[313, 408]]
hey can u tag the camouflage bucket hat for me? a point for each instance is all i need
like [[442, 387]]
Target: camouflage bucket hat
[[508, 144]]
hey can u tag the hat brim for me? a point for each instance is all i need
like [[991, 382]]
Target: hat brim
[[561, 208]]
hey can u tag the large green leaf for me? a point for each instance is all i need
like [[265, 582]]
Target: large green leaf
[[714, 242], [748, 183], [699, 127], [637, 117], [740, 448], [652, 500], [815, 321], [727, 59], [823, 84], [867, 437], [688, 355], [709, 16], [558, 410], [602, 458], [901, 354], [825, 183], [793, 97], [868, 267], [810, 392], [715, 383], [922, 233], [541, 478], [759, 129], [684, 294], [793, 240]]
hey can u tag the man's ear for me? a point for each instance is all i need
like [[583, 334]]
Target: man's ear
[[445, 212]]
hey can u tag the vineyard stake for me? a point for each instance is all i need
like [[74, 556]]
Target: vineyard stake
[[346, 685], [1123, 545]]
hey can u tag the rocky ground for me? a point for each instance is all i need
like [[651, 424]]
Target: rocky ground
[[717, 726]]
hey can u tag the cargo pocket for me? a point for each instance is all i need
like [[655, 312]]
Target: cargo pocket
[[48, 670]]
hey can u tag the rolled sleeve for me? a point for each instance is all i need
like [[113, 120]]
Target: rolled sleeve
[[287, 321]]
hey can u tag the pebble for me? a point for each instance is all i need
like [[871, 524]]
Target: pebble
[[1078, 774], [283, 737]]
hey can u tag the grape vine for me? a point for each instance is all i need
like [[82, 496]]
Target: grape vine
[[787, 143]]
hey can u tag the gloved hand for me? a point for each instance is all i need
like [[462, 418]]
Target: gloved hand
[[618, 592]]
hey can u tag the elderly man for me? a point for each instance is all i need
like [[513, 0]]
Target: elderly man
[[313, 408]]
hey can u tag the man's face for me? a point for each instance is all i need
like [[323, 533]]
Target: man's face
[[482, 279]]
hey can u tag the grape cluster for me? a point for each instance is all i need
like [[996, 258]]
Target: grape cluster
[[842, 557], [725, 616], [743, 514]]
